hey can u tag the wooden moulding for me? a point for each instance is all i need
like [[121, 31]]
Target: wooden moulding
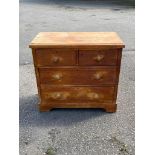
[[106, 107]]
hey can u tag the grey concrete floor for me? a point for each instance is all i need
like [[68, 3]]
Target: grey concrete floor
[[82, 131], [78, 132]]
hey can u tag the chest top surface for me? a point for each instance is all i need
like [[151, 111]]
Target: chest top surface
[[76, 39]]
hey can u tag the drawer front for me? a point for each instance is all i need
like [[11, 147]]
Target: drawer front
[[77, 94], [80, 76], [98, 57], [55, 57]]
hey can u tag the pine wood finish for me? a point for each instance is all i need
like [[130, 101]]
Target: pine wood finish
[[77, 69], [69, 76], [55, 57]]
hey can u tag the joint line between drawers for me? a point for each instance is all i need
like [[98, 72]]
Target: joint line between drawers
[[77, 57]]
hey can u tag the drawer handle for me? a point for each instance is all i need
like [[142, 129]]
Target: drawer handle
[[93, 96], [56, 95], [57, 76], [99, 58], [99, 75], [59, 95], [56, 59]]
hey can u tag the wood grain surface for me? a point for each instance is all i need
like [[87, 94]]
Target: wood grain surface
[[58, 39], [78, 76], [77, 69], [77, 94], [55, 57]]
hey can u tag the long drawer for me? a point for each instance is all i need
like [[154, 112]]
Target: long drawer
[[79, 76], [77, 94]]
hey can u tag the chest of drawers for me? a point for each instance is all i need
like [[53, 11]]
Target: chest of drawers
[[77, 69]]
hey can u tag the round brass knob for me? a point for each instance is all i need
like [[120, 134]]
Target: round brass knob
[[57, 76], [97, 76], [54, 95], [92, 96], [99, 58], [56, 59], [57, 95]]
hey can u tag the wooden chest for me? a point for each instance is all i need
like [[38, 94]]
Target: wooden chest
[[77, 69]]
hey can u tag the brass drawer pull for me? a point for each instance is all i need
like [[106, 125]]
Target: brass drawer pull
[[93, 96], [99, 75], [54, 95], [56, 59], [57, 76], [99, 58], [58, 95]]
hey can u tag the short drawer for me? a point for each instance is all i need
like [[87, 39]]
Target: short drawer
[[55, 57], [77, 94], [78, 76], [98, 57]]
